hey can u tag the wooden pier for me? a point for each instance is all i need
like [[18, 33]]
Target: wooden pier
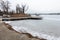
[[21, 18]]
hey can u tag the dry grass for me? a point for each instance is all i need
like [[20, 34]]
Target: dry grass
[[20, 15]]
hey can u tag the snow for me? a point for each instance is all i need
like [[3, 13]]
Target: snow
[[22, 29]]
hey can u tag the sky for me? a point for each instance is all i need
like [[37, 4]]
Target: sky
[[38, 6]]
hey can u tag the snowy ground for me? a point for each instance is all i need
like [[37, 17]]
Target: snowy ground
[[46, 28]]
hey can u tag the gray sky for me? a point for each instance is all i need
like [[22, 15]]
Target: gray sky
[[39, 6]]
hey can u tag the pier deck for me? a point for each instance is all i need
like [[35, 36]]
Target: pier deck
[[20, 18]]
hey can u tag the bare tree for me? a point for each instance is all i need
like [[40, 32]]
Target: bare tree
[[2, 5], [24, 8], [21, 9], [18, 9], [5, 6]]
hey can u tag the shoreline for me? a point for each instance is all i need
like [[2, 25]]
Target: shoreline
[[34, 33], [9, 27]]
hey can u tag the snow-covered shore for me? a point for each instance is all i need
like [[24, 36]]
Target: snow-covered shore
[[50, 25], [33, 33]]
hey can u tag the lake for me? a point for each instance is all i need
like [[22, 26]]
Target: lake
[[50, 25]]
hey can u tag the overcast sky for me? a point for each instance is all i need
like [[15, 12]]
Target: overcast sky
[[39, 6]]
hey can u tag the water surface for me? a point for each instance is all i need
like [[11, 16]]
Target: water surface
[[49, 25]]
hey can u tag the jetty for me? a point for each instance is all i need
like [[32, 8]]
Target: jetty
[[21, 18]]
